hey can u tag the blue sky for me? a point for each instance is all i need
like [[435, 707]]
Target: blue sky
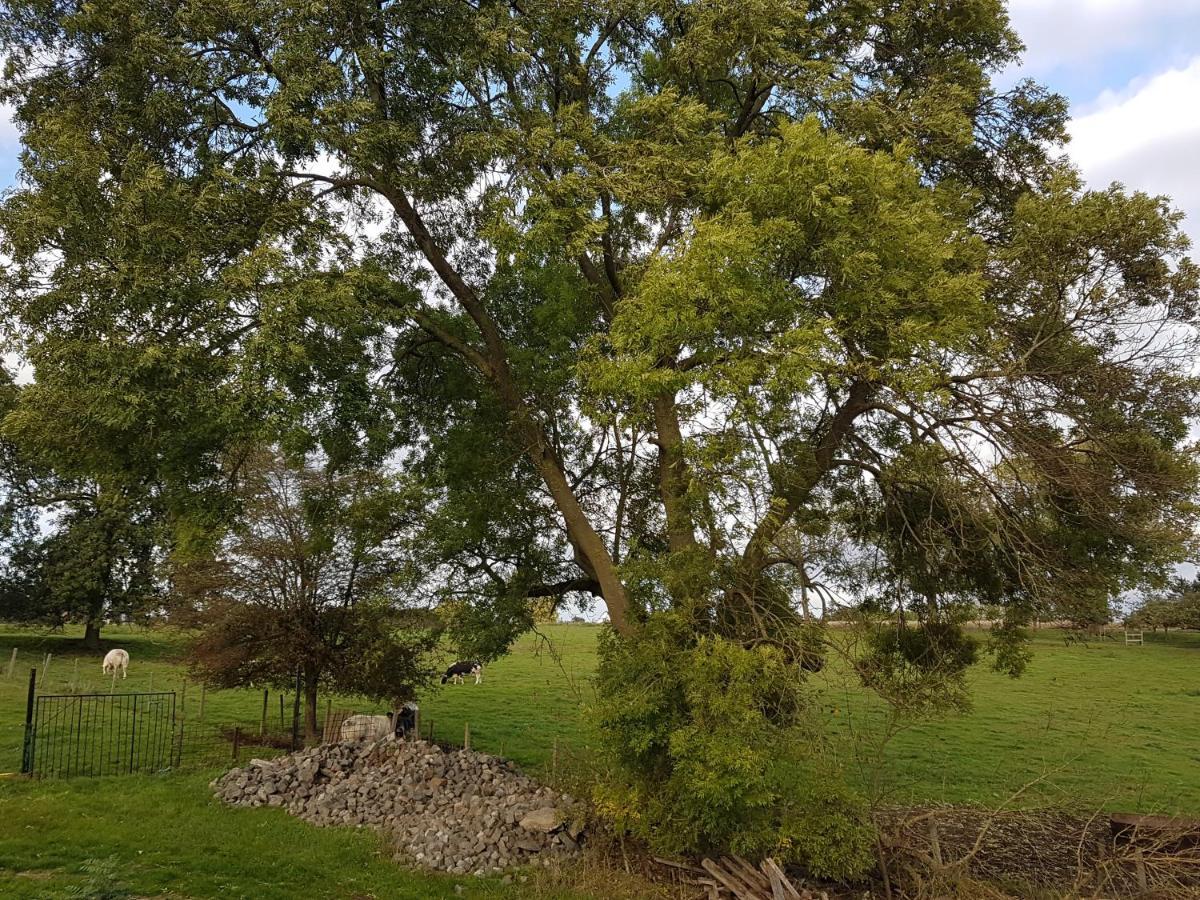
[[1131, 69]]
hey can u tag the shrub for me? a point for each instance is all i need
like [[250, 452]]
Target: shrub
[[712, 750]]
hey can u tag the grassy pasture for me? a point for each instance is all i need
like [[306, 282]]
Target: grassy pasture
[[1099, 725]]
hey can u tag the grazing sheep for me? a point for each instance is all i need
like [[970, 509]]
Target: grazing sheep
[[469, 667], [116, 661], [380, 728]]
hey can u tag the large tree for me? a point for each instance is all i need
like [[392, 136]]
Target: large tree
[[670, 302]]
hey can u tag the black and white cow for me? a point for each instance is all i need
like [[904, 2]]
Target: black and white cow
[[468, 667]]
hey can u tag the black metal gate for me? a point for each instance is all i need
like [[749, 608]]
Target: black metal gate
[[100, 734]]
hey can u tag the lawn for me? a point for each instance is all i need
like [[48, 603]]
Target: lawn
[[1094, 725], [166, 835]]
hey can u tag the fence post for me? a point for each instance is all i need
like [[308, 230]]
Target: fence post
[[183, 701], [328, 713], [46, 669], [237, 742], [12, 663], [75, 677], [262, 725], [296, 715], [27, 750], [466, 735], [281, 696], [203, 691]]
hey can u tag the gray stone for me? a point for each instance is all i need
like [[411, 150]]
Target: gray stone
[[544, 819]]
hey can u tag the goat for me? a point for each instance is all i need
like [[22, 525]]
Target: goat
[[116, 661], [380, 728], [469, 667]]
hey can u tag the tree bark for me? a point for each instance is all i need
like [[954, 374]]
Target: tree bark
[[91, 635], [673, 475]]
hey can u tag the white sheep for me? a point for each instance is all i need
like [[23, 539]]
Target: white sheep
[[380, 728], [116, 661]]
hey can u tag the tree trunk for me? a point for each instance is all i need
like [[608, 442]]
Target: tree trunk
[[591, 552], [673, 474], [311, 681], [91, 635]]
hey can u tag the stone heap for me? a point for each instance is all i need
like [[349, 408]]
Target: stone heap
[[458, 811]]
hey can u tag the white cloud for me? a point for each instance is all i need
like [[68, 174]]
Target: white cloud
[[1147, 137], [1065, 33]]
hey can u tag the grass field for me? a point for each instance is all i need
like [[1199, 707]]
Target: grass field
[[1096, 725]]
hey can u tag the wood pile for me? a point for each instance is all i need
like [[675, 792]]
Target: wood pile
[[734, 877]]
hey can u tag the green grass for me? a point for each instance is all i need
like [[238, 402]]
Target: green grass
[[1097, 726], [166, 835]]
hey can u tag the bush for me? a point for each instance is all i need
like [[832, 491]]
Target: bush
[[711, 751]]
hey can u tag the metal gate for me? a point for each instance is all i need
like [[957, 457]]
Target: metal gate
[[100, 734]]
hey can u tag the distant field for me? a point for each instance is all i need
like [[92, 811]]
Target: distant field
[[1095, 725]]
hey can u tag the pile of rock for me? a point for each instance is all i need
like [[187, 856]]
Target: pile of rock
[[458, 811]]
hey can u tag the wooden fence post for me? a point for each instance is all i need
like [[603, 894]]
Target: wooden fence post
[[237, 742], [46, 669], [262, 725], [466, 735], [27, 751], [281, 698], [12, 663], [203, 693], [183, 701]]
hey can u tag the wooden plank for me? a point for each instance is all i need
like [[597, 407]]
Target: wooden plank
[[747, 873], [777, 891], [771, 866], [730, 882]]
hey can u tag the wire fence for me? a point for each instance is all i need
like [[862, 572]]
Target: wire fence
[[90, 733]]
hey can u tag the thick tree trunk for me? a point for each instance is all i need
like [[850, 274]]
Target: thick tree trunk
[[673, 475], [91, 635]]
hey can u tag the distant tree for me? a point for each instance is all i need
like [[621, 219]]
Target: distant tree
[[1176, 607], [310, 580], [72, 550]]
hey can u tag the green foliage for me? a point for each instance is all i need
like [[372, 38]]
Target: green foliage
[[918, 669], [671, 305], [713, 747], [102, 882]]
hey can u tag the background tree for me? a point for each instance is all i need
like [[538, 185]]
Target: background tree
[[657, 298], [75, 551], [1176, 607], [310, 580]]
